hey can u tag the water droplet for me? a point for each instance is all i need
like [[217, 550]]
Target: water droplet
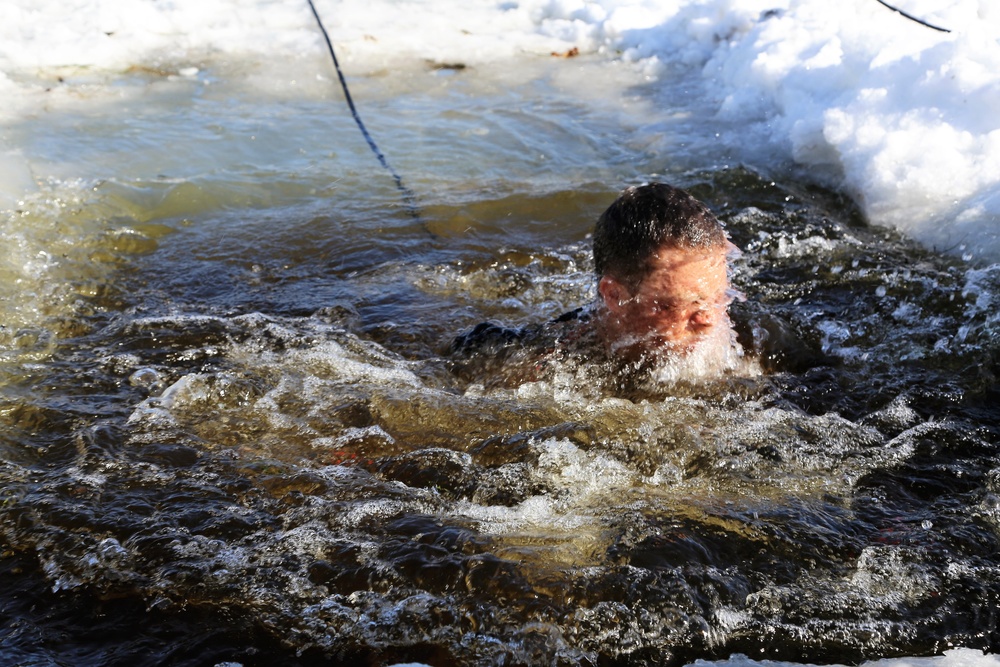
[[145, 377]]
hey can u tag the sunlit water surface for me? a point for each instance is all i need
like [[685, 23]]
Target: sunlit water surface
[[230, 433]]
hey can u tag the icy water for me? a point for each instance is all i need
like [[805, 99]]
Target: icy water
[[230, 433]]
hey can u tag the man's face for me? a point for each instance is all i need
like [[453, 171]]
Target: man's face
[[681, 302]]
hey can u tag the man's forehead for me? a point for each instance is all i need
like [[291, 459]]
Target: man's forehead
[[678, 256], [687, 275]]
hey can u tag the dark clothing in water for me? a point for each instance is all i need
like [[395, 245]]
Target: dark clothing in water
[[507, 356], [510, 356]]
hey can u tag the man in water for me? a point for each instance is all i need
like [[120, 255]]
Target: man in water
[[662, 261]]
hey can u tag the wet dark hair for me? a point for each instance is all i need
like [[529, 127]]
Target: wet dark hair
[[644, 219]]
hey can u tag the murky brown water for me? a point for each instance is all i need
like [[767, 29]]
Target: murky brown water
[[230, 433]]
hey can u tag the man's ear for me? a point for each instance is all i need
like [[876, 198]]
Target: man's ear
[[614, 294]]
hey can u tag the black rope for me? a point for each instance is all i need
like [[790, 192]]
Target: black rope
[[408, 196], [912, 18]]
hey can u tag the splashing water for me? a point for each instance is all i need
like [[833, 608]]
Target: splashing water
[[228, 418]]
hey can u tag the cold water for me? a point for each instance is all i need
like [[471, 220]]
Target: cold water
[[230, 433]]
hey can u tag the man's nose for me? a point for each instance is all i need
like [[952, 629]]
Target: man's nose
[[705, 318]]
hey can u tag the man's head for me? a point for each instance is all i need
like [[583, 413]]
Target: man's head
[[662, 263]]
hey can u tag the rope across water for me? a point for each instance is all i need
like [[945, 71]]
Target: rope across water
[[408, 197]]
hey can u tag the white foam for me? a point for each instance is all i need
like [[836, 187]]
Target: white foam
[[577, 482]]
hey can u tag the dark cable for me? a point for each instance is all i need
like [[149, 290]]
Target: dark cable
[[912, 18], [408, 196]]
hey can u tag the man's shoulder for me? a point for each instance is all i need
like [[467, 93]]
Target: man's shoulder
[[521, 353], [581, 314], [485, 338], [493, 337], [781, 344]]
